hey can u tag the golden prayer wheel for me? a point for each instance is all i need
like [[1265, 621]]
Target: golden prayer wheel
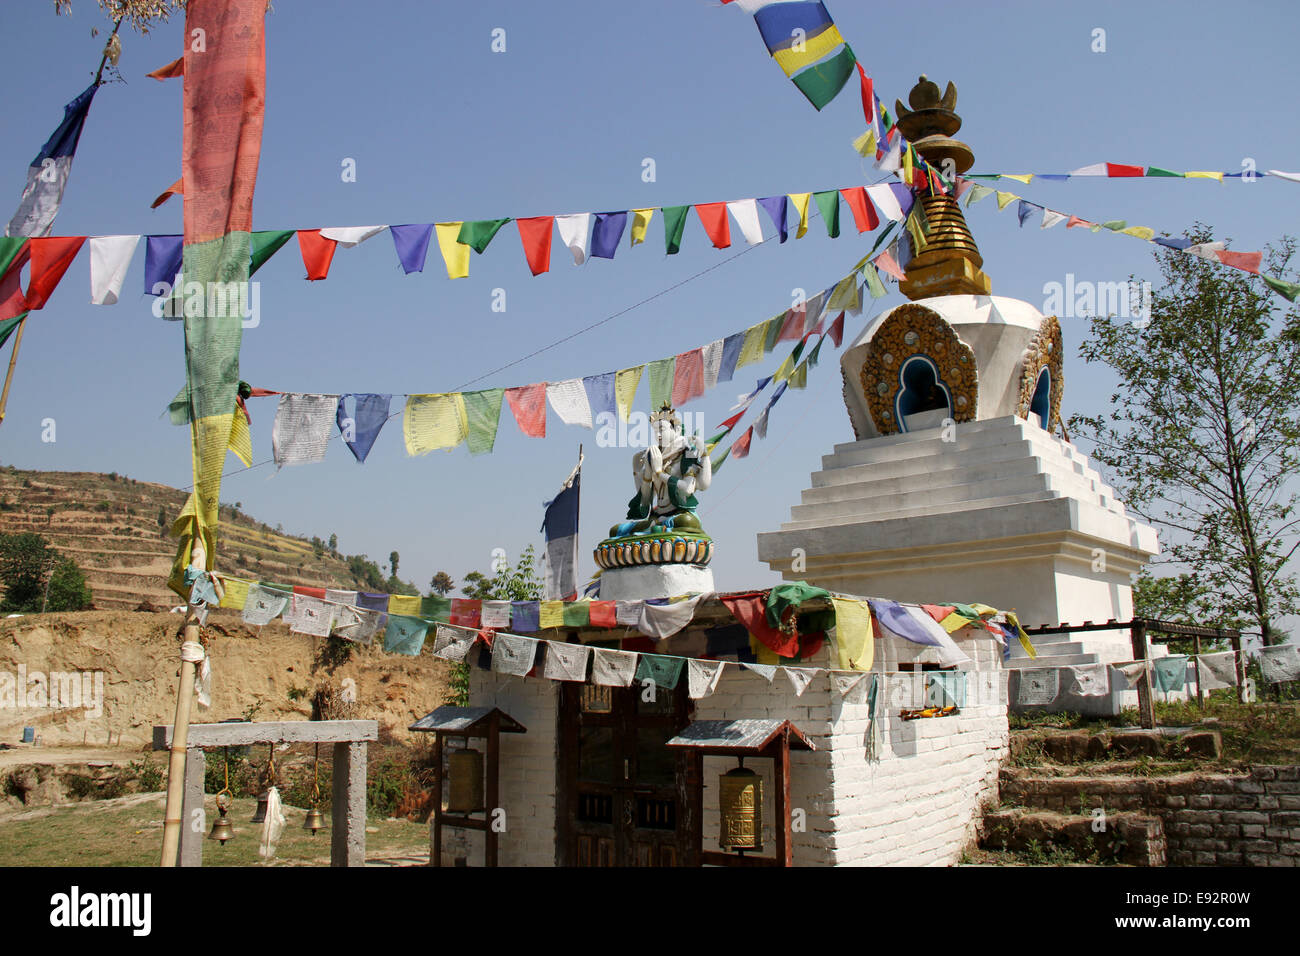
[[465, 781], [740, 800]]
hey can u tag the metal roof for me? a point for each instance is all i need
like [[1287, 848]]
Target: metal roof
[[462, 720], [749, 736]]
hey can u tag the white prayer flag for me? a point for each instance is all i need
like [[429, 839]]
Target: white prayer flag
[[110, 257], [852, 685], [513, 655], [349, 236], [303, 427], [452, 644], [702, 677], [886, 202], [566, 661], [800, 678], [495, 614], [569, 400], [575, 232], [612, 668], [765, 671], [712, 363], [745, 212]]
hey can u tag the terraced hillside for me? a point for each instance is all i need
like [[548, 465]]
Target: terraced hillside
[[114, 528]]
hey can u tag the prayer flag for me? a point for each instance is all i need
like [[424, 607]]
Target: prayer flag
[[435, 421], [661, 375], [528, 403], [454, 253], [745, 212], [713, 216], [479, 233], [317, 253], [828, 201], [640, 223], [110, 257], [606, 234], [775, 208], [482, 415], [47, 176], [674, 225], [361, 428], [265, 244], [625, 385], [412, 245], [575, 232], [535, 234], [688, 377], [800, 201], [569, 400]]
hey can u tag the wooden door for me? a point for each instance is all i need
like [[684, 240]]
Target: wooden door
[[626, 799]]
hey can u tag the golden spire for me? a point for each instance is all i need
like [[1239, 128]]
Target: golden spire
[[950, 263]]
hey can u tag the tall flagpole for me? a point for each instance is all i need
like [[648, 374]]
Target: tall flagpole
[[18, 333], [577, 546]]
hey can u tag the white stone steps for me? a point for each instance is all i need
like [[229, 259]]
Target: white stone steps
[[823, 519]]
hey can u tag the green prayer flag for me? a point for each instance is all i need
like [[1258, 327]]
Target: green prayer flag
[[265, 244], [479, 233], [800, 377], [577, 613], [717, 438], [1115, 225], [978, 192], [661, 382], [1157, 171], [1288, 290], [674, 224], [821, 83], [10, 246], [874, 285], [482, 413], [773, 330], [828, 202], [662, 671], [718, 464], [7, 327], [437, 609], [815, 353]]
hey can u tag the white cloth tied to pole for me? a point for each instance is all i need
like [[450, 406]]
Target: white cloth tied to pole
[[702, 677], [263, 606], [852, 685], [513, 655], [1090, 680], [800, 677], [664, 620], [192, 652], [1038, 686], [611, 668], [566, 661], [302, 429], [765, 671], [627, 613], [1279, 663], [495, 614], [452, 644], [272, 826]]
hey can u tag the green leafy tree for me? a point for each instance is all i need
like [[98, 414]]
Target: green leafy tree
[[334, 544], [441, 584], [393, 558], [1202, 433], [68, 590], [519, 583], [25, 562]]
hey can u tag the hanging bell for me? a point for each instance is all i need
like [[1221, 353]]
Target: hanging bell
[[465, 781], [315, 821], [221, 829], [740, 801], [259, 815]]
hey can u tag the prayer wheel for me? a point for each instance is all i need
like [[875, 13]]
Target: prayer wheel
[[465, 781], [740, 800]]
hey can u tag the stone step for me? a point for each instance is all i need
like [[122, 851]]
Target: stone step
[[1027, 663], [970, 435], [850, 516], [836, 470], [1136, 839]]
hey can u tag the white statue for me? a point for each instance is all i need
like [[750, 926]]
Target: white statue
[[668, 474]]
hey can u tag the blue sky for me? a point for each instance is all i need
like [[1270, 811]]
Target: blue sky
[[442, 128]]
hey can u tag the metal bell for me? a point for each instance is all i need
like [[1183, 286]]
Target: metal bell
[[259, 815], [221, 829], [315, 821]]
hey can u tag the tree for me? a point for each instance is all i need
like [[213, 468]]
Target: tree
[[1202, 432], [334, 544], [520, 583], [393, 558], [441, 584], [68, 590]]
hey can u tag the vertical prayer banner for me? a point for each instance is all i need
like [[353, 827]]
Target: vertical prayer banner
[[224, 99]]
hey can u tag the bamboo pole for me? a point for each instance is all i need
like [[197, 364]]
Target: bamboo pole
[[176, 764]]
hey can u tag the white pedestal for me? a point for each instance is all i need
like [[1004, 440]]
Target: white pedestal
[[654, 581]]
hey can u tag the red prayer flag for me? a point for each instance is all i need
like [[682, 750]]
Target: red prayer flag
[[12, 301], [317, 253], [792, 328], [730, 423], [751, 611], [50, 258], [535, 234], [528, 402], [175, 189], [836, 331], [174, 68], [937, 611], [864, 213], [1076, 221], [741, 446], [887, 262], [465, 613], [868, 100], [714, 217], [688, 377], [1248, 261], [604, 614], [309, 592], [1119, 169]]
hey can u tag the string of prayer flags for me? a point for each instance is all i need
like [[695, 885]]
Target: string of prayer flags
[[528, 404], [575, 233], [303, 424], [430, 422], [606, 233]]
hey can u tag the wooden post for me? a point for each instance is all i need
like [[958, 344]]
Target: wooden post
[[176, 763], [13, 359], [435, 858], [1146, 709], [1200, 697], [1240, 668], [784, 852]]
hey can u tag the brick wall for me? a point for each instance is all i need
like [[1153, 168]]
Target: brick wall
[[1210, 820]]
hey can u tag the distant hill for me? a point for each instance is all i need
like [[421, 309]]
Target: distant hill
[[110, 526]]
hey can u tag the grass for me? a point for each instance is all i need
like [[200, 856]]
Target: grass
[[129, 833]]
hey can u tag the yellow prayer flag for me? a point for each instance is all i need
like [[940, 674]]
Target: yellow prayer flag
[[792, 60], [1142, 232], [955, 622], [799, 378], [854, 641], [865, 145], [405, 604], [845, 294], [907, 165], [751, 350], [434, 421], [241, 443], [762, 653], [786, 368], [640, 223], [1005, 198], [625, 384], [551, 614], [800, 201], [1018, 177], [1204, 175], [455, 254], [1024, 638], [236, 593]]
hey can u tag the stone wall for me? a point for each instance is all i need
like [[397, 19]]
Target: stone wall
[[1211, 820]]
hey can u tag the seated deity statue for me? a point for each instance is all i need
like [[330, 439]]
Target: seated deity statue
[[668, 475]]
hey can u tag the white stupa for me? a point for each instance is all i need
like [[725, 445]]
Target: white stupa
[[958, 487]]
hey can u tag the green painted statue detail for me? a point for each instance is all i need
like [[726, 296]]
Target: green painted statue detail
[[668, 475]]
